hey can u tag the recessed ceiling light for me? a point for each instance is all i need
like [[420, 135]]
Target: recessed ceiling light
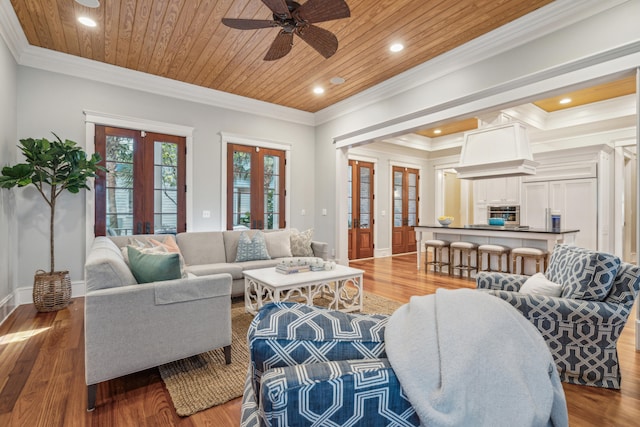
[[87, 21], [337, 80], [565, 100], [396, 47], [437, 131], [318, 90], [89, 3]]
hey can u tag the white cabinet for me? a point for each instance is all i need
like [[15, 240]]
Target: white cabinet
[[577, 201], [494, 191], [497, 191]]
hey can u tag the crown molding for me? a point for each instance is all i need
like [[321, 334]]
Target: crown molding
[[63, 63], [546, 20], [11, 31]]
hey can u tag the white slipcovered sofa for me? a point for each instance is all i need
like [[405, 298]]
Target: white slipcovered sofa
[[131, 326], [214, 252]]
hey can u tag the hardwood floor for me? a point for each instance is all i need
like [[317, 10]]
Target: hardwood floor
[[42, 368]]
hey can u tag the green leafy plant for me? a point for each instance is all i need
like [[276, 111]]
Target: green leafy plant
[[52, 167]]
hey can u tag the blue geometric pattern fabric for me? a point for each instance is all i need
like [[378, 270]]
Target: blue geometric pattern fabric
[[312, 366], [252, 249], [584, 274], [582, 335]]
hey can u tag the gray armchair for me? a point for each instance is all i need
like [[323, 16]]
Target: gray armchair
[[131, 327], [582, 326]]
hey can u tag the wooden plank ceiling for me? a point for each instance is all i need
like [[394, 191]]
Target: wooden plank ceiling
[[184, 40]]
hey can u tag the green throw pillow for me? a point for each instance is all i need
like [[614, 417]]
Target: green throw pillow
[[153, 267], [252, 249]]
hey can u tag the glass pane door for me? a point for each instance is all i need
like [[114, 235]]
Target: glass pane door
[[119, 185], [143, 188], [256, 196], [271, 195], [241, 188], [397, 198], [165, 187]]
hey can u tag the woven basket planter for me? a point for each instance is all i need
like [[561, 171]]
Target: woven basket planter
[[51, 291]]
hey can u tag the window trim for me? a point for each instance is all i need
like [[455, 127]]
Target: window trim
[[230, 138], [93, 118]]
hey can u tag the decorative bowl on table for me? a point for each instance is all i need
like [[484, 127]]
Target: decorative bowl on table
[[445, 220]]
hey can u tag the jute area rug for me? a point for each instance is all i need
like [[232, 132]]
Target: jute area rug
[[203, 381]]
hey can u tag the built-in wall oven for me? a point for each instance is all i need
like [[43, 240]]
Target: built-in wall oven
[[510, 214]]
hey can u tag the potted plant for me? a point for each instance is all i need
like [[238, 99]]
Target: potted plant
[[51, 167]]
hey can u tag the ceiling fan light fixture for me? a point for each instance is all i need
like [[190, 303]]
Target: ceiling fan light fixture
[[88, 22], [89, 3], [396, 47]]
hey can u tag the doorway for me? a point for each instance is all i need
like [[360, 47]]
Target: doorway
[[360, 209], [143, 187], [405, 209]]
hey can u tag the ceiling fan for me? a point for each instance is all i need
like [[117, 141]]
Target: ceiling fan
[[297, 19]]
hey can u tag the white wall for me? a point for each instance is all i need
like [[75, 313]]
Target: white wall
[[8, 141], [53, 102], [569, 56]]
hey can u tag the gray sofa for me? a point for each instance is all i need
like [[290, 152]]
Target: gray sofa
[[214, 252], [130, 327]]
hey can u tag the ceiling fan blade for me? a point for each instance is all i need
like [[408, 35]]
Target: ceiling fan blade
[[318, 38], [323, 10], [248, 24], [279, 7], [280, 46]]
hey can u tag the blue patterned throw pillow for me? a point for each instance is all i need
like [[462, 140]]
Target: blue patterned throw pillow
[[583, 273], [252, 249]]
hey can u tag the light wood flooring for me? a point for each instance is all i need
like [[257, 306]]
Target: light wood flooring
[[42, 368]]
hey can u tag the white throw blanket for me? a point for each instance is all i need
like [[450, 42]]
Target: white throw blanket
[[467, 358]]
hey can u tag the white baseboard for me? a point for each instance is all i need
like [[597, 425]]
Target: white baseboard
[[24, 295], [7, 305], [381, 253]]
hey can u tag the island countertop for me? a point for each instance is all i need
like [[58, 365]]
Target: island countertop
[[507, 236], [502, 228]]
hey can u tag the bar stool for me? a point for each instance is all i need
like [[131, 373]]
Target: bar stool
[[535, 254], [438, 262], [490, 250], [464, 249]]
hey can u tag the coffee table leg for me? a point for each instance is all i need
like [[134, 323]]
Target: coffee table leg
[[341, 296], [251, 294]]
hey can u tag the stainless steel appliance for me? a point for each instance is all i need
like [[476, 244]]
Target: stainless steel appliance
[[510, 214]]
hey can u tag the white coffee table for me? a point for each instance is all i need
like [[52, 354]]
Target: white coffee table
[[266, 285]]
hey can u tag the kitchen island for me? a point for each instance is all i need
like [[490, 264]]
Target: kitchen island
[[511, 237]]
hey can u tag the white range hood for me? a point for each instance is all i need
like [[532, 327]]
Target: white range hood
[[496, 151]]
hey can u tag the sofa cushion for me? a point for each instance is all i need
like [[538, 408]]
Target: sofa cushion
[[583, 273], [301, 243], [252, 249], [264, 263], [278, 243], [203, 247], [223, 267], [105, 267], [153, 267], [540, 285]]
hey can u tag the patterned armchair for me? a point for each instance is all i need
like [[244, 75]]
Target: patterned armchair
[[582, 326], [310, 366]]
